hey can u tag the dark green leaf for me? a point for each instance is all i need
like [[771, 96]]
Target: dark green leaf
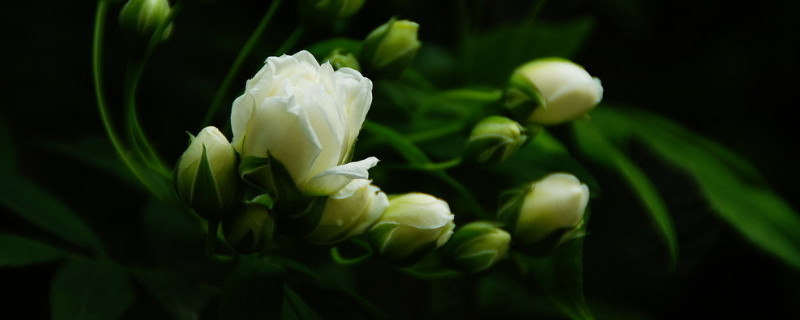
[[42, 209], [598, 148], [254, 290], [296, 308], [510, 46], [754, 210], [183, 298], [560, 276], [87, 289], [17, 251]]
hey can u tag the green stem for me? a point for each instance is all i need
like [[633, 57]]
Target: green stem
[[472, 95], [257, 35], [291, 40], [141, 144], [435, 166], [102, 106]]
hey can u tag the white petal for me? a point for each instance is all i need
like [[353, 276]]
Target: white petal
[[241, 113], [334, 179]]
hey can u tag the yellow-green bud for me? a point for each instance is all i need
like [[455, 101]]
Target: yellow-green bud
[[339, 59], [477, 246], [349, 212], [143, 17], [206, 175], [495, 139], [552, 91], [547, 212], [413, 225], [251, 230], [325, 11], [390, 48]]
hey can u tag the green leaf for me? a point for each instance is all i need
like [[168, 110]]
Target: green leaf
[[500, 50], [44, 210], [182, 297], [560, 276], [17, 251], [87, 289], [294, 307], [600, 150], [254, 290], [751, 208]]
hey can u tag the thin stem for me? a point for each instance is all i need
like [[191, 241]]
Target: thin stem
[[434, 166], [472, 95], [222, 92], [141, 144], [291, 40], [97, 53], [443, 131]]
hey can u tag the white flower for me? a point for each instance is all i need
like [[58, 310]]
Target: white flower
[[412, 226], [554, 203], [349, 212], [562, 89], [308, 117]]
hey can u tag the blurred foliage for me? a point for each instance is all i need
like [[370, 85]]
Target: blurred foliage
[[81, 233]]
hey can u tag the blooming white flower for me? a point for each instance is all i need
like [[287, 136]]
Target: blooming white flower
[[349, 212], [307, 116], [558, 90], [412, 226]]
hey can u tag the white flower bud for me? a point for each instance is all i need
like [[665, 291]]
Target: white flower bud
[[390, 48], [551, 91], [307, 116], [412, 226], [349, 212], [206, 175], [143, 17], [477, 246], [251, 231], [495, 139], [549, 210]]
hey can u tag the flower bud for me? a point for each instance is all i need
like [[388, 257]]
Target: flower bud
[[477, 246], [551, 91], [324, 11], [143, 17], [206, 175], [495, 139], [339, 59], [251, 231], [412, 226], [349, 212], [547, 212], [390, 48]]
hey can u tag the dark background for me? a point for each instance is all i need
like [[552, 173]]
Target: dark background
[[727, 71]]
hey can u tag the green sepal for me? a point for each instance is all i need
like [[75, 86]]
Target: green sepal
[[378, 237], [255, 172], [284, 187], [205, 199], [262, 199], [488, 151], [372, 41], [511, 205], [522, 98], [300, 216]]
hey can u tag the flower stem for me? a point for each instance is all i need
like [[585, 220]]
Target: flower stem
[[102, 106], [435, 166], [257, 35], [291, 40]]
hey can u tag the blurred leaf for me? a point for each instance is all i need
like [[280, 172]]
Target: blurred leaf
[[294, 307], [560, 275], [171, 236], [754, 210], [254, 290], [8, 161], [96, 152], [598, 148], [17, 251], [182, 297], [87, 289], [42, 209], [495, 53]]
